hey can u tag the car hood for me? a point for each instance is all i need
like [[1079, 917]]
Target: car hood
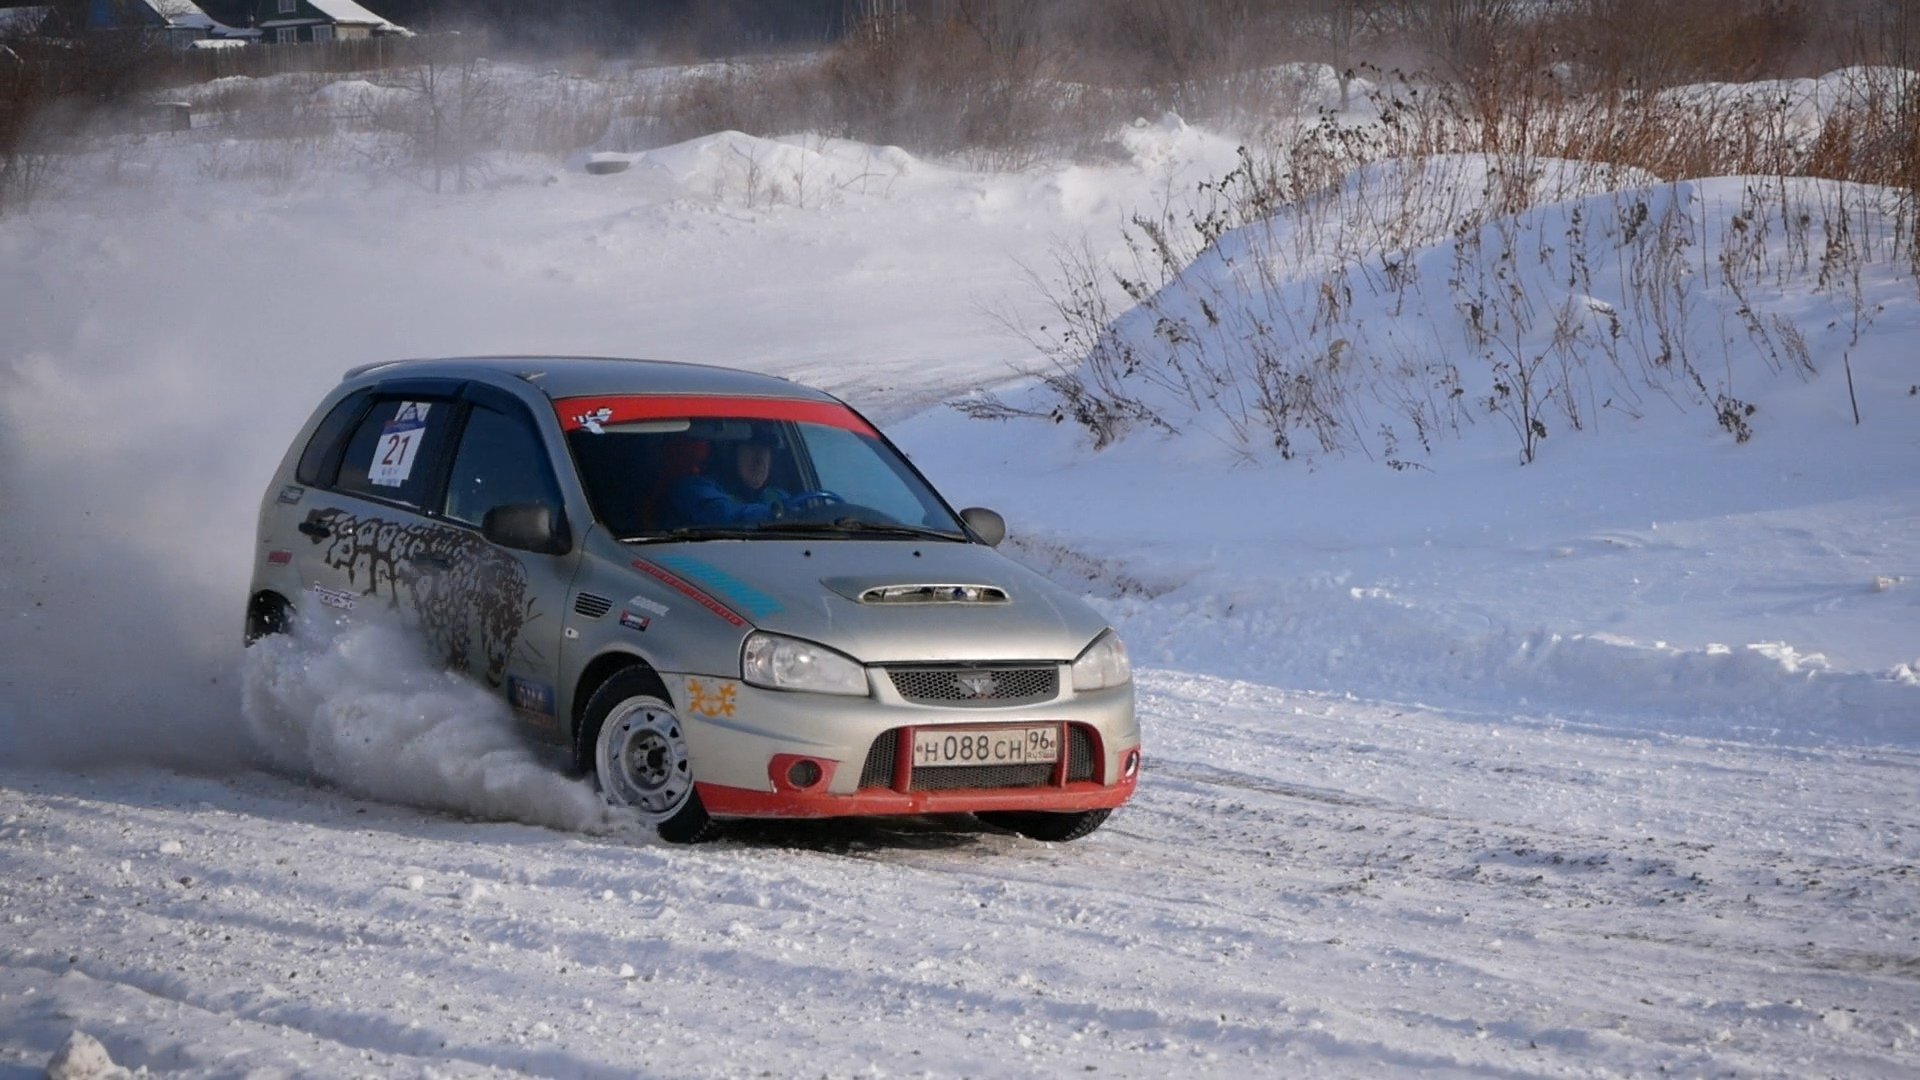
[[813, 589]]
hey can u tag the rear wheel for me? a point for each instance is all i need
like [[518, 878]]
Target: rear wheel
[[267, 613], [635, 745], [1038, 825]]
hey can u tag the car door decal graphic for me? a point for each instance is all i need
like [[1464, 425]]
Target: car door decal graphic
[[480, 601]]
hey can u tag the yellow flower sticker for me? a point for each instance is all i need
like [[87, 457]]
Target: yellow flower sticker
[[710, 699]]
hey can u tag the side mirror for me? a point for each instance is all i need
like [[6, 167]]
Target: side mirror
[[526, 527], [990, 527]]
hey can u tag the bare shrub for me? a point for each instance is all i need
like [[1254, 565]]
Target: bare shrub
[[561, 114], [970, 75], [1244, 319], [1650, 44], [24, 98]]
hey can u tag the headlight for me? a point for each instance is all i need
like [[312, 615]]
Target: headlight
[[784, 663], [1104, 664]]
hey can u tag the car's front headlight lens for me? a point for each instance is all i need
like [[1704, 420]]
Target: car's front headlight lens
[[1104, 664], [783, 663]]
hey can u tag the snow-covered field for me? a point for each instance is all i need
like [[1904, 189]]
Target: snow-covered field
[[1603, 765]]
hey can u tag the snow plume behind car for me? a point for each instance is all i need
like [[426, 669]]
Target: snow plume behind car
[[116, 556], [361, 706]]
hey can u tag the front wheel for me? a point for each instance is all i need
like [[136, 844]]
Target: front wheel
[[636, 747], [1039, 825]]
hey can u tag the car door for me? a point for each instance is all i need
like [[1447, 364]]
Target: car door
[[498, 609], [366, 507]]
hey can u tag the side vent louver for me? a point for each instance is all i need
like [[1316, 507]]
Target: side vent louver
[[591, 606]]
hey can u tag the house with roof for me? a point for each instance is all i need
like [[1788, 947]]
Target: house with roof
[[178, 22], [288, 22], [24, 20]]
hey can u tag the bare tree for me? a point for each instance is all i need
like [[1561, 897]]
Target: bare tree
[[454, 113], [1464, 35], [1341, 28]]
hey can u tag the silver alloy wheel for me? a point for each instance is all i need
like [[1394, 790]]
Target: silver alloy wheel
[[640, 758]]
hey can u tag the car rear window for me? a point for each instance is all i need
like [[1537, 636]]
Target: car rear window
[[317, 460]]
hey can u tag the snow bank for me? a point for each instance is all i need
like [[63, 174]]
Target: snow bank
[[365, 709], [1805, 104], [734, 167], [1417, 302], [82, 1057], [1156, 146], [1332, 636]]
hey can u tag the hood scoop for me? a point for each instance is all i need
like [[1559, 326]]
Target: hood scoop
[[932, 594]]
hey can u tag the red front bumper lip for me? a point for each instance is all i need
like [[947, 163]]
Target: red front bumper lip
[[723, 801]]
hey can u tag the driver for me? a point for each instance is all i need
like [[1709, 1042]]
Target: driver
[[734, 490]]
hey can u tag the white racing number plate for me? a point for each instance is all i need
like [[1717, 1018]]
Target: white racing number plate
[[935, 747]]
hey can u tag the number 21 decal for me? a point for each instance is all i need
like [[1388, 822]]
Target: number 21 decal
[[400, 442]]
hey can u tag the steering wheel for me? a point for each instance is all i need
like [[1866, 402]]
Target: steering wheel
[[810, 500]]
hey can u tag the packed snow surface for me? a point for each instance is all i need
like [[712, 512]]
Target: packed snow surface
[[1601, 765]]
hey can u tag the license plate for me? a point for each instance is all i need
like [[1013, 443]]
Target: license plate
[[937, 747]]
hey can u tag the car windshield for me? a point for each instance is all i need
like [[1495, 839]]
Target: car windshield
[[674, 468]]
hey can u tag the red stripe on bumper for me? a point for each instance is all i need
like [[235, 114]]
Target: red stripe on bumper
[[741, 802]]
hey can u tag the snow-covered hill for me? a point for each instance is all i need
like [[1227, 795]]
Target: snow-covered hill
[[1596, 766]]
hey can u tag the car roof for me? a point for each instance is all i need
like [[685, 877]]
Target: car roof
[[595, 376]]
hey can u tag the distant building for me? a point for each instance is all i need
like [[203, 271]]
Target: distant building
[[180, 23], [289, 22], [23, 20]]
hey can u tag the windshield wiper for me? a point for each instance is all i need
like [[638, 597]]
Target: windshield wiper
[[695, 532], [844, 527], [854, 526]]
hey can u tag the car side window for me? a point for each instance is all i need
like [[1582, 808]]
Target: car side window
[[396, 452], [501, 462]]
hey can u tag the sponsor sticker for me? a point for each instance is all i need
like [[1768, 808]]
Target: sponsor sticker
[[644, 604], [399, 445], [338, 599], [292, 494], [635, 622], [279, 558], [533, 701], [592, 421], [710, 699]]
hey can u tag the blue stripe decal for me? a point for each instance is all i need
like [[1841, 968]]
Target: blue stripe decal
[[724, 586]]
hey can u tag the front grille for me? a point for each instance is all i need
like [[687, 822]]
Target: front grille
[[977, 687], [879, 768], [877, 771], [981, 776], [591, 606], [1079, 754]]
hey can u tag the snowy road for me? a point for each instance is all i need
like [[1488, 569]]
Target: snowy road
[[1629, 785], [1306, 885]]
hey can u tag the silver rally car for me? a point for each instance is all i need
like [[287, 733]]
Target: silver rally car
[[727, 594]]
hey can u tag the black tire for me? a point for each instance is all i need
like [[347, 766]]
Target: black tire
[[1051, 827], [643, 763], [267, 614]]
